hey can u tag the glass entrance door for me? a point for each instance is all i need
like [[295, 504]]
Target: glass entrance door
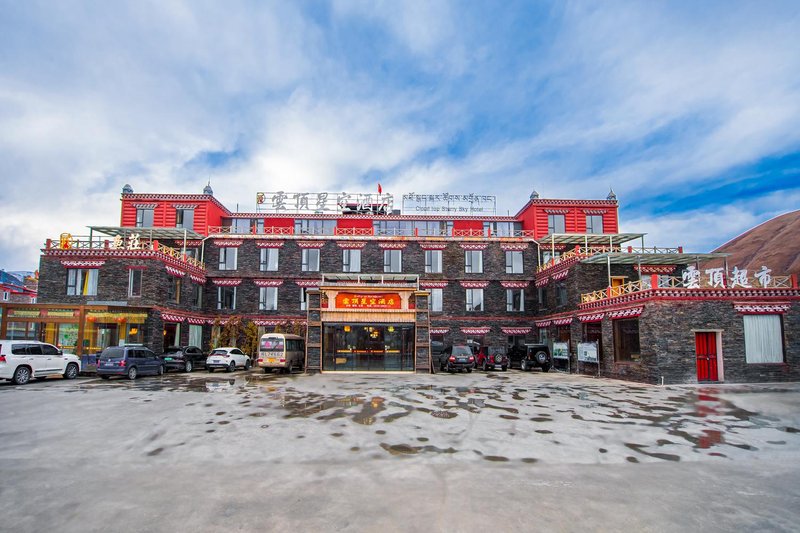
[[368, 347]]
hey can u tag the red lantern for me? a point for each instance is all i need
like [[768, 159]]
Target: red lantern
[[91, 318]]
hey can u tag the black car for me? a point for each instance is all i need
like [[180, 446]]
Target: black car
[[185, 358], [457, 358], [128, 361], [530, 356]]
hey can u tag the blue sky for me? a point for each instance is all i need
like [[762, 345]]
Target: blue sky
[[689, 110]]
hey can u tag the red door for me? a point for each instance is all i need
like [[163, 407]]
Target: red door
[[706, 349]]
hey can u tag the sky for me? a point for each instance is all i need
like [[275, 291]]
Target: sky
[[689, 110]]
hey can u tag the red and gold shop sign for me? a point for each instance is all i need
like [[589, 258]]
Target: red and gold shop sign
[[43, 313], [349, 300]]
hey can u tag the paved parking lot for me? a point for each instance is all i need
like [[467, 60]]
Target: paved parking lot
[[515, 451]]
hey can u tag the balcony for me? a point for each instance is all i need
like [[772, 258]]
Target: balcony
[[92, 245]]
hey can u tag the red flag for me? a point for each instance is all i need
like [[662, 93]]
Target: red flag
[[380, 190]]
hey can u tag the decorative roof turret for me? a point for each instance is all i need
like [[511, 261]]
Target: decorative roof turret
[[207, 189], [534, 195], [611, 196], [127, 189]]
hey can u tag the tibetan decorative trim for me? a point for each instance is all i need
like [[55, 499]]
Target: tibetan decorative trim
[[168, 317], [351, 245], [310, 244], [185, 206], [433, 245], [307, 282], [761, 308], [563, 321], [556, 211], [631, 312], [268, 282], [543, 281], [514, 284], [172, 271], [596, 317], [197, 279], [557, 276], [270, 244], [476, 331], [439, 331], [514, 247], [392, 245], [595, 211], [266, 321], [655, 269], [190, 244], [474, 245], [432, 284], [226, 282], [542, 323], [145, 206], [515, 331], [196, 321], [83, 264], [227, 243], [474, 284]]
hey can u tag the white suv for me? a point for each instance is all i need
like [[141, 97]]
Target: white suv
[[21, 360]]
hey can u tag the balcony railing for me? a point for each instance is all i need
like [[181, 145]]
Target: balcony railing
[[371, 232], [83, 242], [581, 252]]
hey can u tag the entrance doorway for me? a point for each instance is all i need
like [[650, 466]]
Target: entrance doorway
[[707, 354], [368, 347]]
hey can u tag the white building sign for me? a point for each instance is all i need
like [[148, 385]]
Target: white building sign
[[323, 203], [587, 352], [560, 350], [449, 204], [716, 278]]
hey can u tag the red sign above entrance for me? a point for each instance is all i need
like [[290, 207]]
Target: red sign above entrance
[[349, 300]]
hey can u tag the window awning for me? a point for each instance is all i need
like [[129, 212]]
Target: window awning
[[589, 239], [624, 258]]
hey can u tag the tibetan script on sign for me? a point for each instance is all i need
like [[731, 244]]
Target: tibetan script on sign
[[349, 300], [453, 204]]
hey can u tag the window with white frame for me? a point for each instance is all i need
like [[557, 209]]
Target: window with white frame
[[515, 300], [392, 260], [556, 224], [513, 262], [433, 261], [144, 218], [268, 299], [547, 255], [227, 258], [763, 339], [474, 299], [314, 227], [310, 260], [561, 294], [351, 260], [269, 260], [594, 223], [197, 295], [303, 298], [184, 218], [435, 302], [226, 298], [195, 335], [82, 281], [473, 261]]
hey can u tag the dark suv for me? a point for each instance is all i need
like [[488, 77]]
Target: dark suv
[[128, 361], [458, 357], [529, 356], [185, 358]]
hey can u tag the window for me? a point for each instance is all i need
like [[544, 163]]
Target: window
[[593, 332], [547, 255], [174, 290], [502, 229], [184, 218], [134, 282], [542, 294], [594, 223], [473, 261], [763, 339], [432, 228], [303, 298], [515, 300], [310, 260], [561, 294], [226, 298], [555, 224], [144, 218], [433, 261], [393, 227], [197, 295], [195, 335], [269, 260], [351, 260], [240, 226], [513, 262], [268, 299], [314, 227], [474, 299], [227, 258], [82, 282], [257, 225], [626, 340], [392, 260], [435, 302]]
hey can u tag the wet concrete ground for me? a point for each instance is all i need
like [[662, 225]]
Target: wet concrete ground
[[517, 451]]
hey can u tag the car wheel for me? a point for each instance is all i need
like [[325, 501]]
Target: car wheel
[[546, 368], [505, 368], [132, 373], [231, 367], [22, 375], [469, 370], [266, 370], [188, 367], [105, 377], [210, 369], [71, 372], [247, 364]]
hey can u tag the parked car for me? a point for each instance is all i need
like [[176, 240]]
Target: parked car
[[229, 358], [457, 358], [128, 361], [491, 358], [185, 358], [530, 356], [22, 360]]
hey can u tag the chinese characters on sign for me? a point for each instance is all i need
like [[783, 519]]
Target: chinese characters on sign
[[323, 202], [464, 204], [348, 300], [716, 279]]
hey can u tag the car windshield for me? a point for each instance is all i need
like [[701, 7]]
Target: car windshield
[[113, 353], [219, 352], [272, 345], [461, 350]]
